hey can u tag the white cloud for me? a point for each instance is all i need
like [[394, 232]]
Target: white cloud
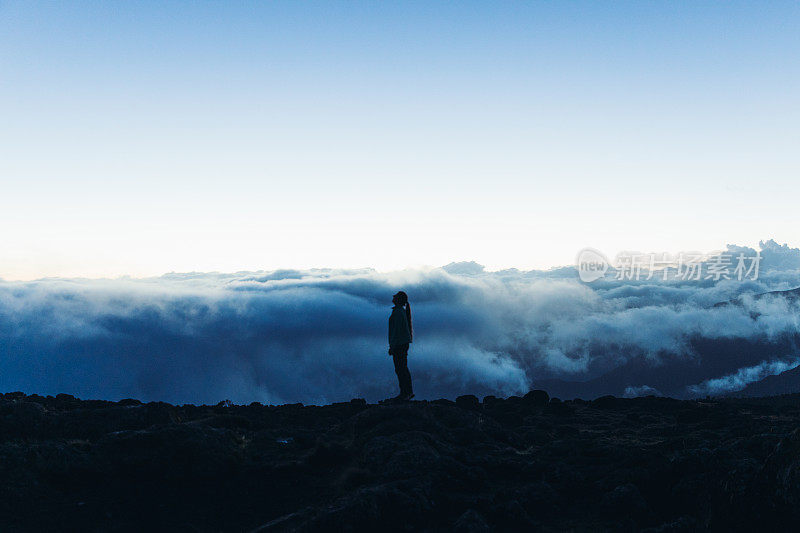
[[319, 335]]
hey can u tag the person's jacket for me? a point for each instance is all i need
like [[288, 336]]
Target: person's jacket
[[399, 332]]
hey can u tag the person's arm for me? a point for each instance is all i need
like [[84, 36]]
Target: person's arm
[[404, 328], [392, 330]]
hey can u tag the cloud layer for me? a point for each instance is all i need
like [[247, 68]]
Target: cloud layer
[[320, 336]]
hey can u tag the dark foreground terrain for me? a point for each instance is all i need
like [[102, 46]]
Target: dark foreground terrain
[[518, 464]]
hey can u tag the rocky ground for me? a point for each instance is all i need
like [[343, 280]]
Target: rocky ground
[[515, 464]]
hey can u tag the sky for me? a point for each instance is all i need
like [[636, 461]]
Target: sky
[[141, 138]]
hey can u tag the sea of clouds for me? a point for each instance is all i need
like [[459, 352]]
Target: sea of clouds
[[319, 336]]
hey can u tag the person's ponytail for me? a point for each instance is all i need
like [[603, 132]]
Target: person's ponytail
[[408, 316]]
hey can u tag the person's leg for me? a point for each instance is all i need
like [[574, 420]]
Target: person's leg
[[403, 375], [407, 380], [409, 388], [399, 365]]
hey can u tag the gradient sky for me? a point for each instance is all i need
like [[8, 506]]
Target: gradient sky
[[145, 137]]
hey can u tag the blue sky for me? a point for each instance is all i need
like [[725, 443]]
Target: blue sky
[[141, 138]]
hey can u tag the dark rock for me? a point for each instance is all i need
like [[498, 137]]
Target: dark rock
[[26, 411], [503, 465], [537, 397], [229, 421], [625, 500], [471, 522], [559, 408], [606, 402], [170, 453], [360, 402], [512, 516], [66, 401], [684, 524], [412, 458], [539, 499], [129, 401], [489, 401], [468, 401], [514, 401], [21, 417], [326, 455], [94, 404], [376, 508]]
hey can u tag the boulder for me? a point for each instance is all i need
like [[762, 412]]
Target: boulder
[[537, 397], [468, 401]]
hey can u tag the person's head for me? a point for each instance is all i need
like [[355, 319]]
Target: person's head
[[401, 299]]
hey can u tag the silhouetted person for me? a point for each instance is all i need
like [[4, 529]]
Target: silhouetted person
[[400, 332]]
